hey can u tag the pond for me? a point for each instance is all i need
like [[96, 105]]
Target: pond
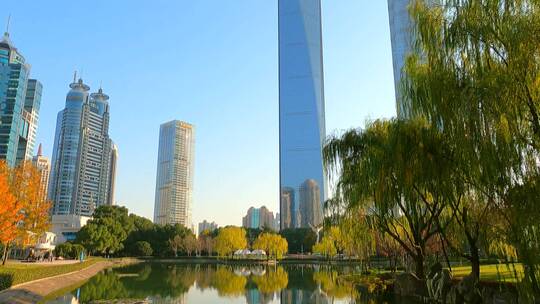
[[208, 283]]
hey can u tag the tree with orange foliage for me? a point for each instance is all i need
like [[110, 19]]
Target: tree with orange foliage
[[24, 213], [10, 211], [27, 190]]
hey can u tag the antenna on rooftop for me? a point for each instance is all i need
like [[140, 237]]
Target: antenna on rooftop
[[8, 21]]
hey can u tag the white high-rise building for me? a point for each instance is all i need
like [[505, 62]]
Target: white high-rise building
[[174, 181], [80, 175], [43, 164]]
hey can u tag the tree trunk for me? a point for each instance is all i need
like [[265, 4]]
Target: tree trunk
[[475, 261], [419, 266], [5, 254]]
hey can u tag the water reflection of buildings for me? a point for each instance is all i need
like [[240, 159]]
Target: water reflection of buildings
[[310, 204], [254, 296], [307, 211], [300, 296]]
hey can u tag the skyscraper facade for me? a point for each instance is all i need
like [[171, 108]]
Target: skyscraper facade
[[301, 104], [80, 177], [402, 38], [43, 164], [112, 173], [174, 180], [20, 99]]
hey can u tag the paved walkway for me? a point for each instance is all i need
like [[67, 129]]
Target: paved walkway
[[33, 292], [44, 263]]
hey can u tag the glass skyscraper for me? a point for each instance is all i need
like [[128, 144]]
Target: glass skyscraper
[[20, 100], [174, 180], [81, 170], [301, 110], [402, 37]]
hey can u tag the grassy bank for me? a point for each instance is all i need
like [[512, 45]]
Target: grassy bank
[[18, 273], [508, 273]]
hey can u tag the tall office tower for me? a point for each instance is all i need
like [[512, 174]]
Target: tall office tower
[[80, 177], [259, 218], [43, 164], [112, 173], [311, 212], [301, 99], [20, 100], [402, 38], [174, 181]]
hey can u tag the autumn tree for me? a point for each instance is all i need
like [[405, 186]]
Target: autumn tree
[[10, 214], [357, 234], [26, 186], [230, 239], [273, 244], [27, 216], [325, 247]]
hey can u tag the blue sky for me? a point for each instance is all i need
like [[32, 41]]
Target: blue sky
[[212, 63]]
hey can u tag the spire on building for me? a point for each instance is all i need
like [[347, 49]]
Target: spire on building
[[40, 151], [6, 33], [5, 39]]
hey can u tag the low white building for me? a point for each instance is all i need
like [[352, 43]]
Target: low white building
[[66, 226], [46, 242]]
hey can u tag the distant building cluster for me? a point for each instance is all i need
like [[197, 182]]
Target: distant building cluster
[[207, 226], [81, 175], [260, 218]]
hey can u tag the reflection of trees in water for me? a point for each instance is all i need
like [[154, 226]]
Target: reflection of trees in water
[[168, 283], [330, 286], [180, 278], [274, 280], [164, 282], [227, 283], [104, 286]]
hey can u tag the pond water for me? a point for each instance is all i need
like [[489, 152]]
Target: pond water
[[187, 283]]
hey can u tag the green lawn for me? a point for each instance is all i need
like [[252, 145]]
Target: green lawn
[[17, 273], [493, 273]]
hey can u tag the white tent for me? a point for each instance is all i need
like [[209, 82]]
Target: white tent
[[258, 252]]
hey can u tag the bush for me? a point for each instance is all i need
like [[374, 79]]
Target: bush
[[6, 280], [76, 250], [69, 251], [143, 248], [64, 250]]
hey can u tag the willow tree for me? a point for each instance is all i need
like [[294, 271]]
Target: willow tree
[[475, 74], [395, 169]]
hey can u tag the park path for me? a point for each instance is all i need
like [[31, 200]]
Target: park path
[[35, 291]]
